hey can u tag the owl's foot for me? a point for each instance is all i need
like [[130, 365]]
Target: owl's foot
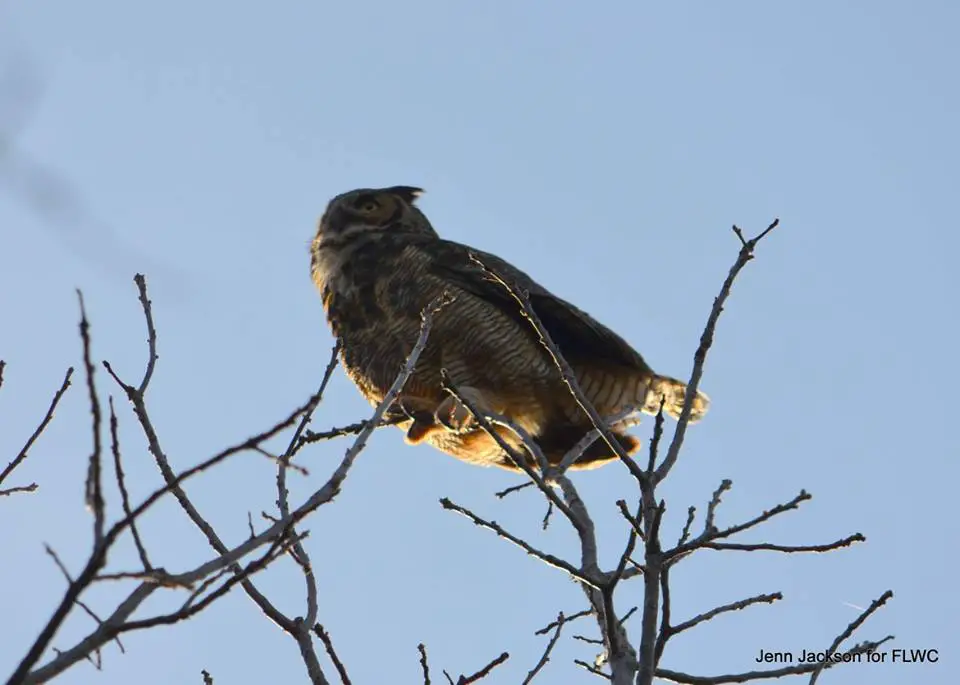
[[454, 416], [421, 430], [424, 423]]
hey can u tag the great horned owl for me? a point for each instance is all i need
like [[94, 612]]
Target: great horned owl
[[378, 263]]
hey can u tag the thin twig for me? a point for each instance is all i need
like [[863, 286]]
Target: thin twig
[[32, 487], [568, 619], [423, 663], [655, 440], [627, 552], [94, 490], [352, 429], [706, 341], [121, 484], [591, 669], [732, 530], [812, 668], [548, 559], [850, 630], [685, 534], [99, 555], [331, 652], [733, 606], [634, 521], [773, 674], [191, 608], [764, 546], [152, 357], [483, 672], [512, 489], [136, 395], [36, 433], [303, 626], [708, 526], [80, 603], [117, 622]]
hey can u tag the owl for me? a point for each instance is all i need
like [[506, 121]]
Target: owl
[[378, 262]]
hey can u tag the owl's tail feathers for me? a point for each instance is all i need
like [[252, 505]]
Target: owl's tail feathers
[[674, 392]]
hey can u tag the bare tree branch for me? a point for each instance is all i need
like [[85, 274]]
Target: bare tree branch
[[548, 559], [121, 484], [301, 625], [423, 663], [773, 674], [708, 526], [116, 622], [104, 540], [36, 434], [483, 672], [512, 489], [353, 429], [331, 652], [851, 629], [66, 574], [685, 533], [706, 341], [733, 606], [94, 472], [592, 669], [152, 356], [709, 536], [569, 619], [545, 657], [766, 546]]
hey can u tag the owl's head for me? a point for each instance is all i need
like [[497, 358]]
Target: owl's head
[[357, 216], [367, 210]]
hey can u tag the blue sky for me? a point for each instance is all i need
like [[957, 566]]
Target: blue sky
[[605, 149]]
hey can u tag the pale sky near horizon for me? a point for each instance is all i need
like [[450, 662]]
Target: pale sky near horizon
[[606, 149]]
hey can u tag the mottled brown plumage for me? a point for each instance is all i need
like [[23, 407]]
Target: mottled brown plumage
[[378, 262]]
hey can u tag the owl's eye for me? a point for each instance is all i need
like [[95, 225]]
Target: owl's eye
[[367, 205]]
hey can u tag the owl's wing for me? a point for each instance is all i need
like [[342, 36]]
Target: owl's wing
[[581, 339]]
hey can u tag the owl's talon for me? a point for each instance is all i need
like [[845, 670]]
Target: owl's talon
[[453, 416]]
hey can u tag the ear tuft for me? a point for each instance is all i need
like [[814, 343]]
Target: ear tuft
[[409, 194]]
